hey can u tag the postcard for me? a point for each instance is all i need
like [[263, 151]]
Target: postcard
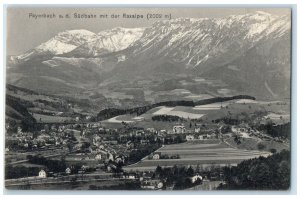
[[179, 98]]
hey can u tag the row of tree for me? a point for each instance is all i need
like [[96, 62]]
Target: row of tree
[[55, 166], [112, 112], [263, 173], [168, 118]]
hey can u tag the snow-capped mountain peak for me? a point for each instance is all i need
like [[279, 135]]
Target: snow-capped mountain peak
[[66, 41], [199, 41], [112, 40]]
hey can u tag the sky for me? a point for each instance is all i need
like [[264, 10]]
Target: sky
[[24, 32]]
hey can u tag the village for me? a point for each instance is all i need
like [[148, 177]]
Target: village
[[93, 151]]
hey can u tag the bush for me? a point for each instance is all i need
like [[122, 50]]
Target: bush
[[261, 146], [273, 150]]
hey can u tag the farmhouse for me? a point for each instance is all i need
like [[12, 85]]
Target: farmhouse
[[42, 174], [151, 130], [189, 137], [68, 171], [179, 129], [156, 156], [152, 184], [98, 157], [197, 130], [129, 144], [131, 176], [196, 178], [144, 141], [139, 133]]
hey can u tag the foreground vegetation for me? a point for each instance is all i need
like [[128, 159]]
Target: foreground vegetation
[[263, 173]]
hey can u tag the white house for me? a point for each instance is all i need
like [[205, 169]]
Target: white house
[[200, 137], [42, 174], [179, 129], [110, 157], [156, 156], [195, 178], [152, 130], [98, 157], [189, 137], [68, 171], [152, 184], [131, 176], [19, 130], [197, 130]]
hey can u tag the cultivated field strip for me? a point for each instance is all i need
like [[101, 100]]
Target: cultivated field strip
[[192, 153]]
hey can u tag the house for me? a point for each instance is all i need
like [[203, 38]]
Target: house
[[98, 157], [197, 130], [131, 176], [151, 184], [206, 136], [179, 129], [68, 171], [111, 167], [110, 157], [200, 137], [156, 156], [83, 167], [139, 133], [129, 144], [112, 142], [59, 113], [189, 137], [42, 174], [120, 159], [196, 178], [151, 130], [144, 141], [19, 130]]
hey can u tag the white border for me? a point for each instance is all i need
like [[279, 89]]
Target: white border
[[148, 2]]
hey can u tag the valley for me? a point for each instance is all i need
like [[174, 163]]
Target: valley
[[181, 104]]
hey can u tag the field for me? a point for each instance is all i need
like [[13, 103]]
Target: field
[[180, 113], [252, 144], [49, 119], [193, 153], [208, 112]]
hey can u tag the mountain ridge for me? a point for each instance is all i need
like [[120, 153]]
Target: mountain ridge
[[220, 49]]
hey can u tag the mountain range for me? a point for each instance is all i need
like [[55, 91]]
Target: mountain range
[[238, 54]]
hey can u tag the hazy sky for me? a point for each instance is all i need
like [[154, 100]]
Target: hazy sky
[[24, 33]]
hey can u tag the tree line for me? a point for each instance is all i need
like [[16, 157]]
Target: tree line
[[112, 112]]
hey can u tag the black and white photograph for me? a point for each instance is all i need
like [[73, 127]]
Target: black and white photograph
[[148, 99]]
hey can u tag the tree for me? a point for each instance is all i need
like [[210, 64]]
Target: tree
[[273, 150], [158, 170], [197, 170], [190, 171], [260, 176], [261, 146]]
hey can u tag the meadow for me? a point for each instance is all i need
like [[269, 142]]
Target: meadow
[[194, 153]]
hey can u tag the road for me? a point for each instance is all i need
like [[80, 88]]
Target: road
[[62, 179]]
